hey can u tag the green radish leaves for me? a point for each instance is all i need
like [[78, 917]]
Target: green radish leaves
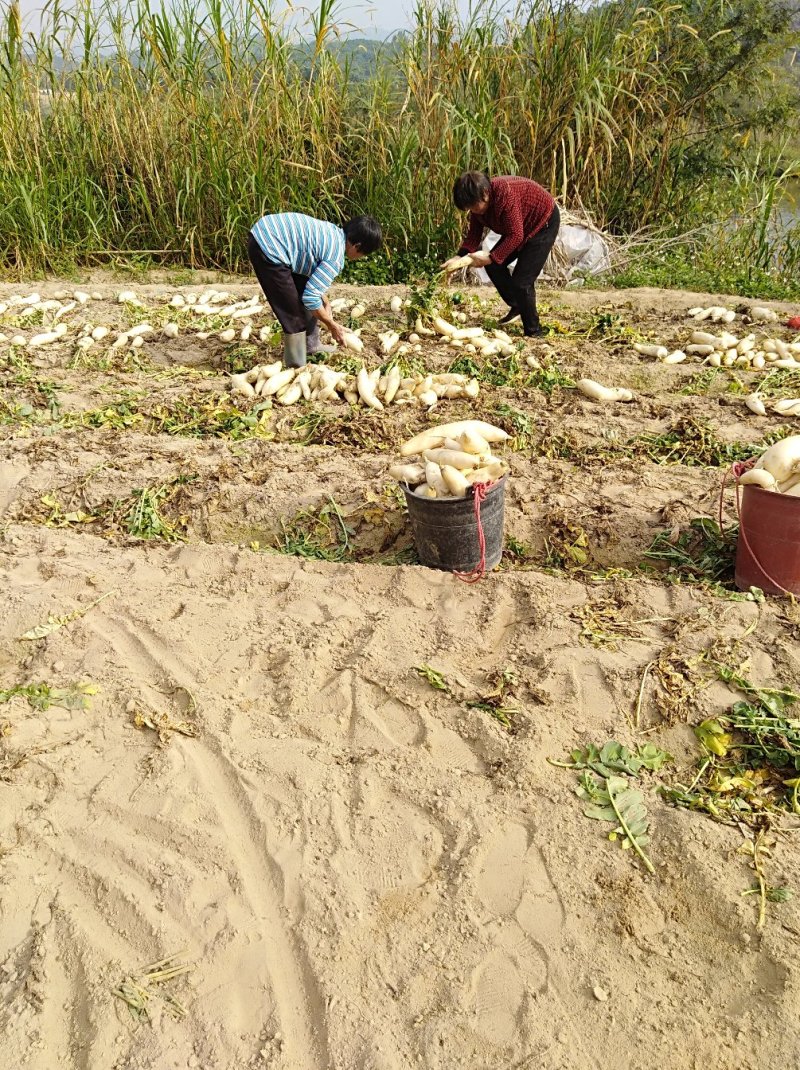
[[615, 757], [615, 801], [608, 794]]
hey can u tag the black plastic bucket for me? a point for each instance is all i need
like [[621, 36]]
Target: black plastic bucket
[[446, 533]]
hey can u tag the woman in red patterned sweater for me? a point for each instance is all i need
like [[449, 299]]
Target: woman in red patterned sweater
[[527, 219]]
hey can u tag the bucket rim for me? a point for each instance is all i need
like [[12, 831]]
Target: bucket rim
[[442, 503], [750, 488]]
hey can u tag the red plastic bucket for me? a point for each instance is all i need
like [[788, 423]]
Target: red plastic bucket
[[768, 551]]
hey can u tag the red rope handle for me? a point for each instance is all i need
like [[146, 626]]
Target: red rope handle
[[737, 469], [479, 493]]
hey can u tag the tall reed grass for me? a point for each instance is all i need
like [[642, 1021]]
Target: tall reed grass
[[166, 131]]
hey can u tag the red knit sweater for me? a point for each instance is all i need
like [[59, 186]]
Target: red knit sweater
[[518, 209]]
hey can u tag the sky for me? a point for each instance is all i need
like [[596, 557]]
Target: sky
[[377, 18]]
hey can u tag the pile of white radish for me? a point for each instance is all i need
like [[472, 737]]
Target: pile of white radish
[[316, 382], [451, 458], [718, 314], [778, 469], [198, 314], [715, 313], [726, 350]]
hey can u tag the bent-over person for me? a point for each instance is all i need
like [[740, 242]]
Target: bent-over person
[[527, 219], [296, 258]]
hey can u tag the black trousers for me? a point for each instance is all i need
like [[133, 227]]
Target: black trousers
[[519, 290], [283, 289]]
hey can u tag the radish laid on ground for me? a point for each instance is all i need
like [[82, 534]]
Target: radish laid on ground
[[352, 341], [657, 351], [366, 390], [240, 385], [598, 392], [755, 404]]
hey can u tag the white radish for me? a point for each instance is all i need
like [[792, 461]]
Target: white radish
[[758, 477], [352, 341], [659, 352], [700, 350], [366, 389], [434, 479], [455, 458], [458, 263], [785, 405], [598, 392], [64, 310], [388, 340], [48, 337], [128, 297], [396, 304], [240, 385], [676, 357], [408, 473], [277, 381], [755, 404], [782, 459], [456, 481], [290, 394], [303, 381], [392, 384], [227, 335], [488, 474], [704, 338], [428, 398], [170, 330], [99, 333], [357, 311], [434, 437], [473, 443], [264, 373]]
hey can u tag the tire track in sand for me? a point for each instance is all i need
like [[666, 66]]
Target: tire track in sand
[[300, 1005]]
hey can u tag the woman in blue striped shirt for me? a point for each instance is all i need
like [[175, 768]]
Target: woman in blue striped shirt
[[296, 258]]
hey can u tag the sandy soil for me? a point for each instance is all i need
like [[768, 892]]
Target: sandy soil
[[366, 873]]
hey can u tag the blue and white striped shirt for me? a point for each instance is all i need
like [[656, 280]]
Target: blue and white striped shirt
[[308, 246]]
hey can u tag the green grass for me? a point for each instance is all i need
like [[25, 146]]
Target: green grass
[[133, 115]]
